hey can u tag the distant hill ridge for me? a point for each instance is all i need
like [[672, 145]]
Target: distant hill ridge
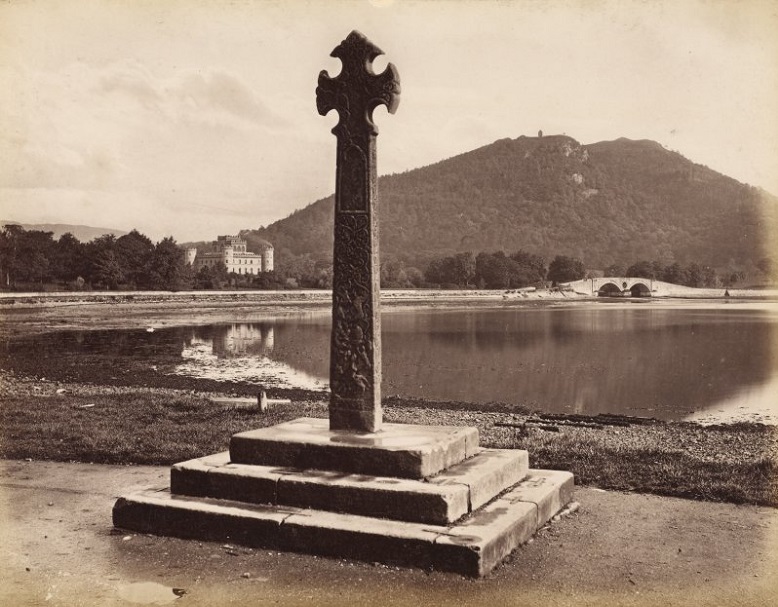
[[607, 202], [82, 233]]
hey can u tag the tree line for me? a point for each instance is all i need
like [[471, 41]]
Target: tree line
[[523, 269], [501, 271], [34, 260]]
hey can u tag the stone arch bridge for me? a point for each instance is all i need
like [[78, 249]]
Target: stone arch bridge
[[618, 286]]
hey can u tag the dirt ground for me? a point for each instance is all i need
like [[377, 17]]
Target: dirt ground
[[58, 547]]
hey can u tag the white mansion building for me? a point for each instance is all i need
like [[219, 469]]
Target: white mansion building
[[231, 251]]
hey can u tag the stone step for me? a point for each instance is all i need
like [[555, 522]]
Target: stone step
[[473, 546], [399, 450], [441, 499]]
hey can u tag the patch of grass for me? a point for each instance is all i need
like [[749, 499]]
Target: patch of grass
[[730, 463], [134, 428], [734, 463]]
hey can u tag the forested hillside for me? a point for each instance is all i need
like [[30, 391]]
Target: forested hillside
[[605, 203]]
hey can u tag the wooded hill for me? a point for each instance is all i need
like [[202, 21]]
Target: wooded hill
[[80, 232], [604, 203]]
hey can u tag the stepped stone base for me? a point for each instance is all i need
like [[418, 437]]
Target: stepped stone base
[[472, 546], [423, 496], [443, 499]]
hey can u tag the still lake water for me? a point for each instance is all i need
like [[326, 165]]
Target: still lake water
[[708, 361]]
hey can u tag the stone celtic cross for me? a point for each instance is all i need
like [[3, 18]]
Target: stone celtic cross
[[355, 354]]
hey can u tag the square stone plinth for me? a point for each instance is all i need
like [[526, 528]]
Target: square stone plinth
[[399, 450], [472, 546]]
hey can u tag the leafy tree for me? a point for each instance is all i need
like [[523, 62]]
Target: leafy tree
[[211, 277], [135, 252], [641, 269], [267, 280], [393, 274], [615, 269], [37, 268], [566, 269], [202, 279], [107, 269], [219, 275], [442, 271], [95, 252], [709, 277], [492, 270], [732, 278], [324, 276], [69, 262], [167, 268], [675, 274], [34, 250], [414, 277], [301, 268], [694, 275], [531, 268], [10, 242], [463, 268]]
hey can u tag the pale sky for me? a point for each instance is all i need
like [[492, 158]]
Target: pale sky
[[194, 119]]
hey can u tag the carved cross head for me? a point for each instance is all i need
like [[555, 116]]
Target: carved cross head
[[357, 90]]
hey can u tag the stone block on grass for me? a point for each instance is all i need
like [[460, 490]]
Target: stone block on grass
[[400, 450]]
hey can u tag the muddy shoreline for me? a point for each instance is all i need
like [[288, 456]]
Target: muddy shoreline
[[39, 313], [35, 313]]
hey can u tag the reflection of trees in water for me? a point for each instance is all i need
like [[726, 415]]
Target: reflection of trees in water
[[304, 346], [237, 339], [498, 329], [137, 343], [587, 360], [560, 360]]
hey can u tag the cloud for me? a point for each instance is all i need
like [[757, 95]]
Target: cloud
[[219, 91], [86, 127], [156, 152], [209, 96], [133, 81]]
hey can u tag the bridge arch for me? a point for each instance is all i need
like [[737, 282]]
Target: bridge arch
[[639, 289], [609, 289]]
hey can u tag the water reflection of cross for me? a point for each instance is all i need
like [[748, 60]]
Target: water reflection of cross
[[355, 355]]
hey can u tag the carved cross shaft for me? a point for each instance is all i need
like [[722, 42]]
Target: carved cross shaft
[[355, 354]]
